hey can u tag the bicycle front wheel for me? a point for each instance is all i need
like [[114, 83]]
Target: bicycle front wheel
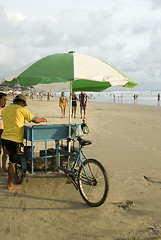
[[93, 182]]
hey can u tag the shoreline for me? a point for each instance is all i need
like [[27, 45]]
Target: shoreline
[[108, 98], [144, 102]]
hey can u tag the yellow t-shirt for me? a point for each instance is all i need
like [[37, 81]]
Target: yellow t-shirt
[[14, 117]]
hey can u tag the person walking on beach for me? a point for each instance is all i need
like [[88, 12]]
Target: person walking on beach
[[48, 96], [3, 168], [83, 99], [74, 104], [40, 96], [63, 101], [158, 97], [14, 116]]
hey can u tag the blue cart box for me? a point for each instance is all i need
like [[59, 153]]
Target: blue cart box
[[49, 132], [45, 133]]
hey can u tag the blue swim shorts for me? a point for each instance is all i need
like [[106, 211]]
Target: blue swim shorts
[[83, 106]]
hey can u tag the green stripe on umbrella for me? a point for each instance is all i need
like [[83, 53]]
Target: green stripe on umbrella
[[53, 68], [86, 85]]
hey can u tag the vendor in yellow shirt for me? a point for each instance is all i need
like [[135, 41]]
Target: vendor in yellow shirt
[[14, 116]]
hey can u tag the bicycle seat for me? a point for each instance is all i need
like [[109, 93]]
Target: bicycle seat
[[84, 142]]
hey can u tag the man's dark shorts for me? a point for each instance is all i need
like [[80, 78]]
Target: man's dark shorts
[[83, 106], [12, 148], [1, 131]]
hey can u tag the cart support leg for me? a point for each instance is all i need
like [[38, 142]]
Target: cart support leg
[[45, 156], [32, 156], [58, 154]]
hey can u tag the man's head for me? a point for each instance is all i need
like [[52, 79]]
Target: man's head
[[3, 99], [82, 92], [20, 100]]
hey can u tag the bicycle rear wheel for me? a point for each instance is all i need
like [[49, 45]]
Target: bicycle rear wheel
[[19, 175], [94, 190]]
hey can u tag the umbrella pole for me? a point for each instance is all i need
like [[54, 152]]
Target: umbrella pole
[[70, 116], [70, 106]]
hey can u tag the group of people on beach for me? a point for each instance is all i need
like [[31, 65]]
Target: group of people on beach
[[83, 99]]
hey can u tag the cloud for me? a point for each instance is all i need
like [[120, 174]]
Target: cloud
[[14, 17], [125, 33], [149, 59], [155, 3]]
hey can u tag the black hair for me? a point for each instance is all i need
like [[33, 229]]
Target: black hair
[[18, 100], [2, 95]]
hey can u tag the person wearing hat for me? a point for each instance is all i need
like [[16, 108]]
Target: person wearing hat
[[14, 116]]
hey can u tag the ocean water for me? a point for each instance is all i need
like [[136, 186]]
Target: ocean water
[[127, 97]]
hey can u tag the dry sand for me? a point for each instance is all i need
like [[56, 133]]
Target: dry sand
[[127, 141]]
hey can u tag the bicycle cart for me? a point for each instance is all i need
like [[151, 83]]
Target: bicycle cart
[[87, 175]]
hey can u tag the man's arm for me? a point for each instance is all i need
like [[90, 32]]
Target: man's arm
[[86, 98], [39, 120]]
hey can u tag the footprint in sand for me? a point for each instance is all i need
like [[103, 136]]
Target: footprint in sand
[[22, 206], [125, 204], [150, 180]]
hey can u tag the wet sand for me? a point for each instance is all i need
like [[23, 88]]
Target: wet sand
[[127, 141]]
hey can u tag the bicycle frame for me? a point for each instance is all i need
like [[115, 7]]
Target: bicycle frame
[[78, 159]]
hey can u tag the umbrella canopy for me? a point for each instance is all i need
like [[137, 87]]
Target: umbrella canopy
[[55, 72], [70, 70]]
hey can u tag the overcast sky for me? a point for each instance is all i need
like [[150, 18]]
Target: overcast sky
[[124, 33]]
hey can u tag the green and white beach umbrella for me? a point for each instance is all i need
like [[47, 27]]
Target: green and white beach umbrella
[[70, 70], [56, 72]]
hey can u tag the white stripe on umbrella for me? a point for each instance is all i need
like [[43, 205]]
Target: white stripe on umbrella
[[87, 67]]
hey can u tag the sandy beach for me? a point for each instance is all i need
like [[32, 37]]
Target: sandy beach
[[127, 141]]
